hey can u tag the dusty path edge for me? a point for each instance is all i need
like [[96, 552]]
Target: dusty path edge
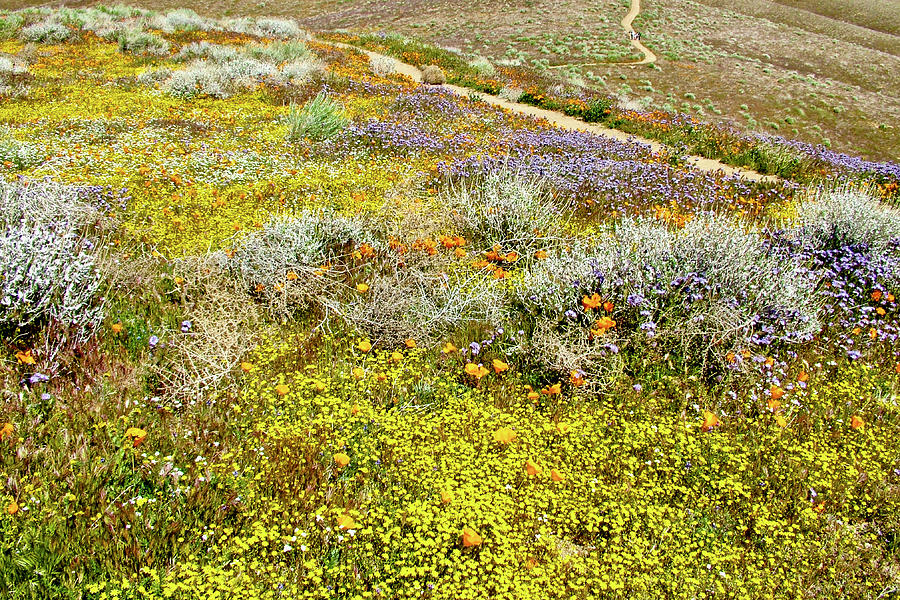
[[562, 120]]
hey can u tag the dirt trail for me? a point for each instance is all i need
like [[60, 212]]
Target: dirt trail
[[562, 120], [649, 57]]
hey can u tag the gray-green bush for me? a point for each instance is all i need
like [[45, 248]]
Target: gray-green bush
[[514, 210], [134, 41]]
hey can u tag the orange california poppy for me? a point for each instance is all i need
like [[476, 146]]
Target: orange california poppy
[[532, 469], [135, 435], [346, 522], [576, 378], [709, 421], [504, 435], [591, 302], [470, 537], [476, 371]]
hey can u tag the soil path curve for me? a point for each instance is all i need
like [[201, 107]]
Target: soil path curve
[[562, 120], [649, 57]]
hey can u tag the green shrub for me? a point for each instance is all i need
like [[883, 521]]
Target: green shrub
[[319, 119], [9, 25]]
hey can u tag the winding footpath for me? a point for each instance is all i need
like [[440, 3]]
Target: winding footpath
[[649, 57], [561, 119]]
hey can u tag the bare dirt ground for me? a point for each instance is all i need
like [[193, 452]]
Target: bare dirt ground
[[822, 71]]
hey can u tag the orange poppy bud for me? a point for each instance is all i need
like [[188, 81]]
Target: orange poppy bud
[[364, 346], [282, 389], [556, 475], [499, 365], [533, 395], [880, 311], [362, 288], [12, 508], [856, 422], [540, 255], [776, 392], [876, 295], [410, 343], [802, 376], [553, 390], [470, 537], [341, 460], [608, 306]]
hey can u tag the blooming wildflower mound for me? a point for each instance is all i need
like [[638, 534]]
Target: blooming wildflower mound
[[279, 322]]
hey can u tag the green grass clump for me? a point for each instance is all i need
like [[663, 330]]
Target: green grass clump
[[319, 119]]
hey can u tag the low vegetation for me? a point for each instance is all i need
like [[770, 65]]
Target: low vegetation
[[277, 322]]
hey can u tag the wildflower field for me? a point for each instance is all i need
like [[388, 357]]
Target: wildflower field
[[278, 322]]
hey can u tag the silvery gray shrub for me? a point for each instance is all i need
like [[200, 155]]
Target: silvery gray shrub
[[47, 266]]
